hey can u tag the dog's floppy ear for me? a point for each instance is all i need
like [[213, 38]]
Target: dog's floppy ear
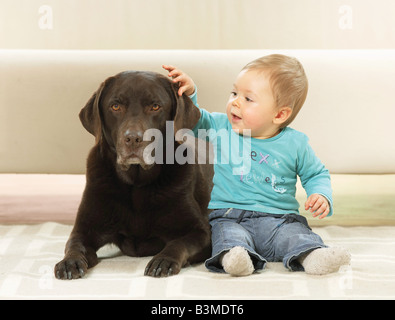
[[90, 113], [187, 114]]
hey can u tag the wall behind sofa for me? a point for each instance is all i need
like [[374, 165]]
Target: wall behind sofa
[[197, 24]]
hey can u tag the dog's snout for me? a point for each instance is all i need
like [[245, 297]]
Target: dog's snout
[[133, 137]]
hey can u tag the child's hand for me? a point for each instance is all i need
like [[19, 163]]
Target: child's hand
[[318, 205], [187, 85]]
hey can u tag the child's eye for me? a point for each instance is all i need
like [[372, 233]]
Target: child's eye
[[248, 99], [233, 94]]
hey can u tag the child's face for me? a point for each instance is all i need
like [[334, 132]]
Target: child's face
[[252, 106]]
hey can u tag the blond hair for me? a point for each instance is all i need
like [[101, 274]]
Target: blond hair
[[287, 79]]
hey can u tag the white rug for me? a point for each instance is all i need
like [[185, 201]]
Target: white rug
[[28, 254]]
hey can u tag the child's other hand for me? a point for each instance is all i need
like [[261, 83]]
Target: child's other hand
[[318, 205], [186, 83]]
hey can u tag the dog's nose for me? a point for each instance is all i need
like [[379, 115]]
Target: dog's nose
[[133, 137]]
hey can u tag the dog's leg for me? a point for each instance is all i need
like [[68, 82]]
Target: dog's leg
[[177, 253], [78, 258], [168, 262]]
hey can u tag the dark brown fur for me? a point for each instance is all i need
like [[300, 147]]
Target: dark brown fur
[[157, 210]]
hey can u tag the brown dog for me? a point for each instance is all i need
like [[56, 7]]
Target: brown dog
[[143, 208]]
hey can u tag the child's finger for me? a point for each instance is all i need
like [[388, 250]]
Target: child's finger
[[322, 211], [173, 71], [319, 210], [174, 74], [181, 90], [179, 78], [310, 201], [319, 202], [168, 67], [326, 212]]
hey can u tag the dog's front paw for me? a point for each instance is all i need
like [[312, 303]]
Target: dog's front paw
[[162, 267], [71, 268]]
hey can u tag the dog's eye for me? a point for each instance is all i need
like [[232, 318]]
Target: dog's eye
[[155, 107], [115, 107]]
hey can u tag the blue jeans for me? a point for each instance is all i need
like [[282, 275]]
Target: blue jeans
[[266, 237]]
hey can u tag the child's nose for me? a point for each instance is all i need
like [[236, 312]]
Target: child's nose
[[235, 102]]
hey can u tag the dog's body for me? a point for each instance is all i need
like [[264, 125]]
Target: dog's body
[[144, 208]]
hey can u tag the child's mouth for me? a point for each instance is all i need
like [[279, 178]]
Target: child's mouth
[[235, 118]]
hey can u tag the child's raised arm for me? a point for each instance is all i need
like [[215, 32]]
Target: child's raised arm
[[186, 83]]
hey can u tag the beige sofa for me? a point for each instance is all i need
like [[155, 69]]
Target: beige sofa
[[348, 115]]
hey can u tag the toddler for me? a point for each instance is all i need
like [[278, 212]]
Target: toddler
[[255, 217]]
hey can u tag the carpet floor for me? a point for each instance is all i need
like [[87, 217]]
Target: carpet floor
[[37, 213]]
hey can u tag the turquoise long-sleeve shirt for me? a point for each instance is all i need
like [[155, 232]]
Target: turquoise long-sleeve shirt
[[260, 174]]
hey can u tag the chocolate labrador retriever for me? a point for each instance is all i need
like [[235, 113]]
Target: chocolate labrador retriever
[[146, 209]]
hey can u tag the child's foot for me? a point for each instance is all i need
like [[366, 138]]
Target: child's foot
[[325, 260], [237, 262]]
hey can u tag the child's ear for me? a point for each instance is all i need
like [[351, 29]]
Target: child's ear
[[282, 115]]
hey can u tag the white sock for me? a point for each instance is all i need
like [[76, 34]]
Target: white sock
[[237, 262], [325, 260]]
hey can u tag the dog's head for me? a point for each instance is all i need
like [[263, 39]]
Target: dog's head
[[126, 105]]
